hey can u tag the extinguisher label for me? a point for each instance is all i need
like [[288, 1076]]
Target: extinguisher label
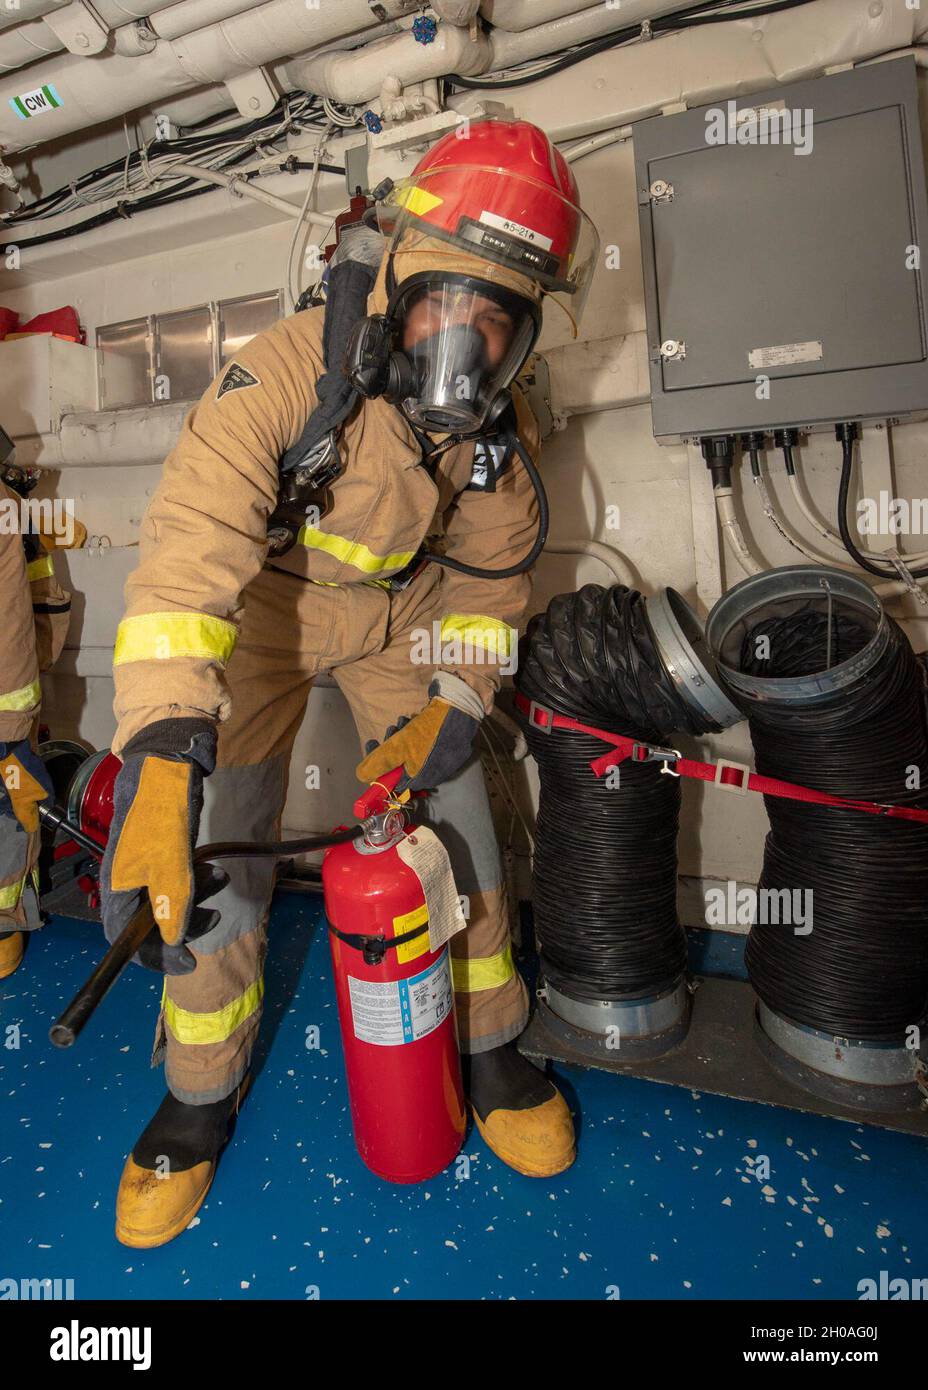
[[401, 1011]]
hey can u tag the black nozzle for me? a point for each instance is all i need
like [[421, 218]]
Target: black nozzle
[[719, 451]]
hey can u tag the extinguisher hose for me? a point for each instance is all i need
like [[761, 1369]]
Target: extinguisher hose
[[64, 1031]]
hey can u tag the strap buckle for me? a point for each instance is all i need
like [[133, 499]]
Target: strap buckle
[[651, 753], [321, 465], [535, 708], [739, 788]]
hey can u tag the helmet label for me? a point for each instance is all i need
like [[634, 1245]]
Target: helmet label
[[506, 224]]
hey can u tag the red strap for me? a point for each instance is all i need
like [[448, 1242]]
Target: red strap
[[733, 776]]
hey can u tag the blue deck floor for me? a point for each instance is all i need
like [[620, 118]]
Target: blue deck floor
[[660, 1204]]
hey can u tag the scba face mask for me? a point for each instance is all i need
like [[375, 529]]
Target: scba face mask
[[446, 351]]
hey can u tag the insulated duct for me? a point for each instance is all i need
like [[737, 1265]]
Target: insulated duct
[[613, 953], [838, 955], [112, 84]]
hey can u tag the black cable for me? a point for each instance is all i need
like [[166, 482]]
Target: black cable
[[847, 434], [862, 971], [676, 22], [538, 545], [605, 866]]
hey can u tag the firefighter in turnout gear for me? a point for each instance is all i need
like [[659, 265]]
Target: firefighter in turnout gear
[[431, 519], [36, 616]]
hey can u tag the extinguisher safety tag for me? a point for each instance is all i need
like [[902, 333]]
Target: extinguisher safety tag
[[424, 853]]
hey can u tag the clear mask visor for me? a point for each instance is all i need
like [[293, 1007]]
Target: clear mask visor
[[465, 341]]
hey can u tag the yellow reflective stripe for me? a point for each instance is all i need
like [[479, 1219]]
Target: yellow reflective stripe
[[476, 630], [334, 584], [200, 1029], [163, 636], [11, 894], [25, 698], [352, 552], [417, 201], [41, 568], [482, 972]]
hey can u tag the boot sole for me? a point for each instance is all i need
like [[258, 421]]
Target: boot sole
[[518, 1165]]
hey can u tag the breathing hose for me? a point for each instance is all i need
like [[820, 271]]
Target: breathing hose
[[605, 868], [861, 972]]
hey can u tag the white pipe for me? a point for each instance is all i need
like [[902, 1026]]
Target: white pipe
[[28, 9], [541, 40], [731, 530], [353, 78], [456, 11], [528, 14], [112, 84], [241, 188], [25, 44], [189, 15], [750, 564], [615, 563], [825, 532], [597, 142]]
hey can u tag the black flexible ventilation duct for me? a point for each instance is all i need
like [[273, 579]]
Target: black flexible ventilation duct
[[862, 971], [605, 869]]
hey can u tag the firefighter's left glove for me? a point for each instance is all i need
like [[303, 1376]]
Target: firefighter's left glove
[[157, 802], [434, 744], [24, 784]]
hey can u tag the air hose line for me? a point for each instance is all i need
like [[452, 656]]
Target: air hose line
[[605, 869], [861, 971]]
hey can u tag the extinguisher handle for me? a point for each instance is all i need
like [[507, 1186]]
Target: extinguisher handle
[[375, 799]]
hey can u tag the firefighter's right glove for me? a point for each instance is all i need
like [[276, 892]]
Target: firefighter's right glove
[[24, 784], [157, 802]]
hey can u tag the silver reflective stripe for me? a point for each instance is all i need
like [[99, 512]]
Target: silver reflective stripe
[[241, 803], [459, 813]]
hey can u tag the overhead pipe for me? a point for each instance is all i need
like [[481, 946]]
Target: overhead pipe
[[352, 78], [26, 44], [91, 92], [527, 14]]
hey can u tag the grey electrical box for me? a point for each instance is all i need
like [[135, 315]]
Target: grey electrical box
[[782, 276]]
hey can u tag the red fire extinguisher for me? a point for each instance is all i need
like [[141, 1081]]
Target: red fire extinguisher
[[395, 1001]]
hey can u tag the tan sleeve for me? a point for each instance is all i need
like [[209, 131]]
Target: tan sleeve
[[480, 617], [204, 536], [20, 692], [51, 608]]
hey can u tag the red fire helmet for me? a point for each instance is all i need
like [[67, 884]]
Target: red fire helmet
[[500, 191]]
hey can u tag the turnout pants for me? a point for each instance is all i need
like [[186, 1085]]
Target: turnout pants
[[291, 631], [19, 890]]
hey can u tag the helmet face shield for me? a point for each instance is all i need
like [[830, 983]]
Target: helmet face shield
[[464, 340], [521, 228]]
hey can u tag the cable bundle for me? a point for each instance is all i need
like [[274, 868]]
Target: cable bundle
[[605, 869], [862, 972]]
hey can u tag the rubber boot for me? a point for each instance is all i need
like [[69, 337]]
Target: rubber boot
[[12, 947], [171, 1169], [521, 1114]]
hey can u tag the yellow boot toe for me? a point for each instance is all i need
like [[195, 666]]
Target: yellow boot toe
[[538, 1142], [11, 954], [151, 1210]]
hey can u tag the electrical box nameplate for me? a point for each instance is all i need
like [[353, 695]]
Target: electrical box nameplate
[[787, 355]]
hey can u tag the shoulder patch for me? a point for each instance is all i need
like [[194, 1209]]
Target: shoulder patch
[[236, 378]]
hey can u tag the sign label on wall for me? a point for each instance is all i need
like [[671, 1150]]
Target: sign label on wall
[[37, 102]]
